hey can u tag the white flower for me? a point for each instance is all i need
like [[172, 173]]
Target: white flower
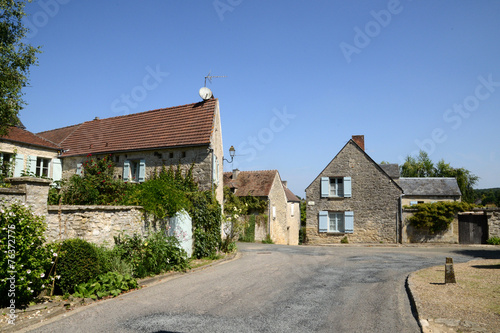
[[54, 254], [22, 279], [58, 277], [28, 271], [43, 286], [42, 275]]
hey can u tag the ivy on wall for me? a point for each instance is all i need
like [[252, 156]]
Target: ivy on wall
[[436, 217]]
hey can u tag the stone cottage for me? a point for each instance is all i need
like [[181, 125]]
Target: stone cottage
[[22, 152], [141, 143], [353, 196], [283, 215]]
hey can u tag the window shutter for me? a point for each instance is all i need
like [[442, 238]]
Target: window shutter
[[323, 221], [412, 203], [349, 222], [325, 187], [32, 164], [19, 165], [126, 170], [142, 170], [347, 187], [56, 169], [79, 169]]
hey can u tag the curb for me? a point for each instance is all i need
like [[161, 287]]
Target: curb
[[415, 303]]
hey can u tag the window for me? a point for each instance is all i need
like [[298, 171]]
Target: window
[[134, 170], [5, 164], [42, 167], [342, 222], [336, 187]]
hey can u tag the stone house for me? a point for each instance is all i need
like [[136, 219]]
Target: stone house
[[429, 189], [283, 215], [24, 152], [353, 196], [142, 143]]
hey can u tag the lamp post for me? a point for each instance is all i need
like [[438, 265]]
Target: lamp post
[[232, 152]]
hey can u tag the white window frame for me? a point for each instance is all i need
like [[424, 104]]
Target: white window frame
[[337, 187], [43, 167], [336, 222]]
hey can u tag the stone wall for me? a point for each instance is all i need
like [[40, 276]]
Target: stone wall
[[410, 234], [26, 150], [96, 224], [374, 200], [493, 222], [277, 212], [293, 222]]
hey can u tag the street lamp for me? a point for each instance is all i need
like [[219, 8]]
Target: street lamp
[[232, 152]]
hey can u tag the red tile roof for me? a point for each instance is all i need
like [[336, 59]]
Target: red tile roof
[[185, 125], [255, 183], [290, 196], [21, 135]]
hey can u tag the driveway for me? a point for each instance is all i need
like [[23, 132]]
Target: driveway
[[274, 288]]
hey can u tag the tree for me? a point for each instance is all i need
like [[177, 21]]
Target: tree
[[16, 58], [422, 166]]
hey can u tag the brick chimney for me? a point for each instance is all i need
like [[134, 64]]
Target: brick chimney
[[235, 173], [360, 141]]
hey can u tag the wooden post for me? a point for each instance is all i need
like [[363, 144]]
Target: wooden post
[[449, 273]]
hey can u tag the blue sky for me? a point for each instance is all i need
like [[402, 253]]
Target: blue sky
[[302, 76]]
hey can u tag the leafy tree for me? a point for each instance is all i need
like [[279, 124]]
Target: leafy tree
[[16, 58], [422, 166]]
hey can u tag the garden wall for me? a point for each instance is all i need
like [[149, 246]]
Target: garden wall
[[409, 234]]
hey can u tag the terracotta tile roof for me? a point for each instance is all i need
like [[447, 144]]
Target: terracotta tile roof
[[185, 125], [290, 197], [255, 183], [21, 135]]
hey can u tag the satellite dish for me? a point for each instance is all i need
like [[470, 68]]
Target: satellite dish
[[205, 93]]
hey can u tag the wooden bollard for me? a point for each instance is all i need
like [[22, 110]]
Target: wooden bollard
[[449, 273]]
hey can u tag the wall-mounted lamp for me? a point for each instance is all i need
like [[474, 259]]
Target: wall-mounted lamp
[[232, 152]]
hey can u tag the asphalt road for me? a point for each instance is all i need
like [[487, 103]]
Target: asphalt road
[[274, 288]]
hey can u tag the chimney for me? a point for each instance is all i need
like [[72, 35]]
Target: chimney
[[360, 141], [285, 183], [235, 173]]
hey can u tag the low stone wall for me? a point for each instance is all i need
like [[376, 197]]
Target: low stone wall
[[409, 234], [493, 222], [96, 224]]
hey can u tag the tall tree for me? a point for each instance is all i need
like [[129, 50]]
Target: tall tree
[[16, 57], [422, 166]]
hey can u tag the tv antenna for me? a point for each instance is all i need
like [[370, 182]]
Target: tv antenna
[[210, 77]]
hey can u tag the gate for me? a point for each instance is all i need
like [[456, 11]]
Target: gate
[[472, 228]]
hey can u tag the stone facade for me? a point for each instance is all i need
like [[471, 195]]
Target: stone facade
[[293, 227], [493, 222], [278, 219], [374, 200], [23, 151]]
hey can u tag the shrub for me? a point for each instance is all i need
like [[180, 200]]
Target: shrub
[[79, 262], [493, 241], [156, 254], [436, 217], [249, 230], [267, 240], [344, 240], [24, 260], [206, 214], [109, 284]]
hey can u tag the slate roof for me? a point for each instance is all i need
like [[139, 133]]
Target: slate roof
[[430, 186], [255, 183], [391, 169], [21, 135], [179, 126]]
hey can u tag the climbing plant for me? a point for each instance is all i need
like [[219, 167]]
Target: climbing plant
[[436, 217]]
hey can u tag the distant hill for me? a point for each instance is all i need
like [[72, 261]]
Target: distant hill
[[487, 196]]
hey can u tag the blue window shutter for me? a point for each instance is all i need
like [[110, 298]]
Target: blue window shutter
[[412, 203], [347, 187], [19, 165], [32, 164], [325, 187], [349, 222], [126, 170], [323, 221], [142, 170], [79, 169], [56, 169]]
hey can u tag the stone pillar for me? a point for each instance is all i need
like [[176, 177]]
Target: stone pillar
[[37, 192], [449, 272]]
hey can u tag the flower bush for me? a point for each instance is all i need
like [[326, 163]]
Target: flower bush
[[24, 261]]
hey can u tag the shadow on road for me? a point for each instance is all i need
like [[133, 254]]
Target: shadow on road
[[480, 253]]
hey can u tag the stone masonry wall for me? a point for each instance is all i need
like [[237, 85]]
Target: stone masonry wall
[[374, 201], [410, 234], [493, 222], [97, 224], [278, 223]]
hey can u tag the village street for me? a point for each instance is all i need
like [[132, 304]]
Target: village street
[[274, 288]]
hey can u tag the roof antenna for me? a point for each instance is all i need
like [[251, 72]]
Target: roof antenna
[[206, 93]]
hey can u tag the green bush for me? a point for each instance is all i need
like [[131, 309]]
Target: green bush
[[206, 215], [494, 241], [249, 230], [79, 262], [24, 261], [344, 240], [109, 284], [267, 240], [436, 217], [156, 254]]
